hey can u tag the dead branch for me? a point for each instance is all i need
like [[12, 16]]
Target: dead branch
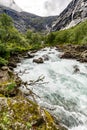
[[39, 81]]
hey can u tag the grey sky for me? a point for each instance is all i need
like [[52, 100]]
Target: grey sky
[[54, 7], [43, 7]]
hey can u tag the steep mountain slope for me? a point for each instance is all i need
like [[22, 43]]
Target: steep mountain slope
[[23, 20], [75, 13]]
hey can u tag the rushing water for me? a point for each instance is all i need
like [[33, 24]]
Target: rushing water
[[63, 92]]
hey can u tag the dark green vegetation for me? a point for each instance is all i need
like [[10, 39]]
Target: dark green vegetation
[[74, 35], [12, 41], [17, 112]]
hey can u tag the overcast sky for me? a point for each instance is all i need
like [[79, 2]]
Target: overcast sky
[[43, 7]]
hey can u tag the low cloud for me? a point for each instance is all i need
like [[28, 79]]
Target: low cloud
[[55, 6]]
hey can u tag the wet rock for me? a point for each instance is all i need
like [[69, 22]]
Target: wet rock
[[12, 64], [76, 69], [30, 55], [34, 51], [39, 60], [46, 57], [11, 68], [81, 48], [67, 55], [84, 56], [4, 68]]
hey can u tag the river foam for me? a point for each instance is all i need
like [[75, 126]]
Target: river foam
[[63, 91]]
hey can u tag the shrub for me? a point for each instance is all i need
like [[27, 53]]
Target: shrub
[[3, 61]]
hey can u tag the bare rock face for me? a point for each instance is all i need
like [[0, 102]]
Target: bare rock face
[[24, 20], [75, 13]]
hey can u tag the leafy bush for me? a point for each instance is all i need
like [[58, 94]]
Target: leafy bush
[[74, 35], [4, 52], [11, 86], [3, 61]]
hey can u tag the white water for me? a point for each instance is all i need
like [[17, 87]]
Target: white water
[[65, 94]]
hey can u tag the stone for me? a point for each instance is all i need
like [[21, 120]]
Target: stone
[[45, 57], [84, 54], [76, 69], [30, 55], [39, 60], [12, 64], [4, 68], [66, 55]]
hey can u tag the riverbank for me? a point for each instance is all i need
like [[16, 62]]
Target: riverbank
[[16, 111], [59, 83], [78, 52]]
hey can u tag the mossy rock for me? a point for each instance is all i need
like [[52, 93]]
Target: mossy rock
[[19, 113]]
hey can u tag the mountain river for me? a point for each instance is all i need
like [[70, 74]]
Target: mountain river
[[63, 88]]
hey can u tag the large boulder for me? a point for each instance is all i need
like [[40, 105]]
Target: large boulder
[[39, 60], [67, 55]]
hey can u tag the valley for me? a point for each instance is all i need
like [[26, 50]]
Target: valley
[[43, 69]]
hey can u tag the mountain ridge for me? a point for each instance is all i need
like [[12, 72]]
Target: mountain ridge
[[24, 20], [73, 14]]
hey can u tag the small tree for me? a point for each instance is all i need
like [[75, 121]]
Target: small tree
[[6, 21], [6, 24], [50, 38]]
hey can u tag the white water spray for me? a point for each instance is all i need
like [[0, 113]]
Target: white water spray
[[65, 94]]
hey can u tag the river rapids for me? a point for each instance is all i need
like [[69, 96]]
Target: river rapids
[[63, 90]]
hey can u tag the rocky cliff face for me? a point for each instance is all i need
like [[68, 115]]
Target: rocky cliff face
[[75, 13]]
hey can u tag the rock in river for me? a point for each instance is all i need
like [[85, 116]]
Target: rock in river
[[39, 60]]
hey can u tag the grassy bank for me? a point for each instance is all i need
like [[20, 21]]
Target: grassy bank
[[74, 35]]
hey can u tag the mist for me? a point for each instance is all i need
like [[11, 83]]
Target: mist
[[55, 7]]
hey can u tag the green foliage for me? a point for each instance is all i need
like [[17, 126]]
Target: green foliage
[[28, 125], [6, 20], [11, 40], [3, 61], [74, 35], [4, 52], [11, 86], [33, 38], [6, 24], [50, 38], [5, 119]]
